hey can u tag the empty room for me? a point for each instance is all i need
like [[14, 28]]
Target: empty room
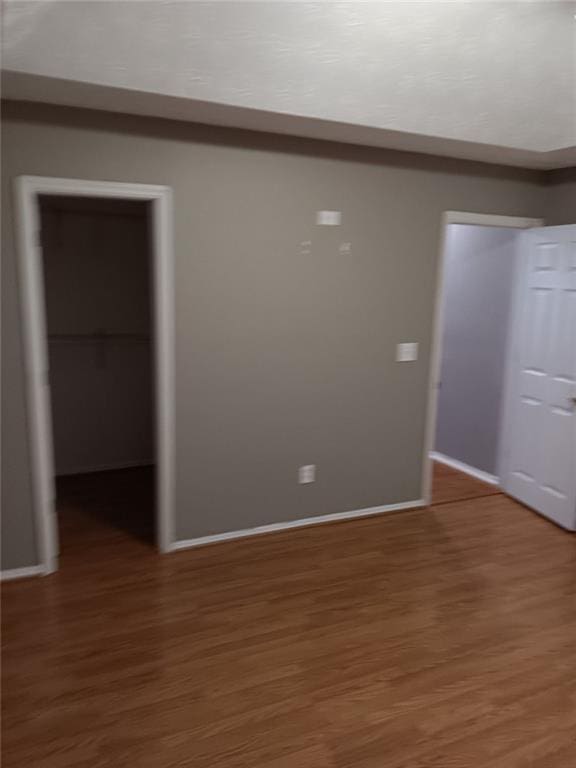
[[288, 384]]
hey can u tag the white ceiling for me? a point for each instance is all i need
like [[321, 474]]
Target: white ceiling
[[485, 80]]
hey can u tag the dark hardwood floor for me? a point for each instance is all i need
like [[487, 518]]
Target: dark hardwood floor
[[95, 507], [437, 638]]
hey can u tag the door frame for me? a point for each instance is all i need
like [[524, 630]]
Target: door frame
[[451, 217], [32, 298]]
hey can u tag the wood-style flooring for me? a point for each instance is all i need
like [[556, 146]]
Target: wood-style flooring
[[451, 485], [437, 638], [103, 507]]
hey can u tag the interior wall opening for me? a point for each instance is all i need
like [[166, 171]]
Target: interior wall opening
[[98, 290], [477, 295]]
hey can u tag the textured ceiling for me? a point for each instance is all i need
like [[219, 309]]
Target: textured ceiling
[[492, 74]]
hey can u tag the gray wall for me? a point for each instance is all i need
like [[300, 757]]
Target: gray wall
[[560, 197], [283, 358], [97, 282], [478, 279]]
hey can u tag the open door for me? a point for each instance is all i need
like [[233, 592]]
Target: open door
[[540, 449]]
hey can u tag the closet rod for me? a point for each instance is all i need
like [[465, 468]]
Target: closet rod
[[97, 338]]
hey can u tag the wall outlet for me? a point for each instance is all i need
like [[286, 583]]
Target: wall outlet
[[307, 474], [407, 352]]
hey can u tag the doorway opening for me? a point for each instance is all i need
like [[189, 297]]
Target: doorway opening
[[471, 350], [97, 299], [503, 387]]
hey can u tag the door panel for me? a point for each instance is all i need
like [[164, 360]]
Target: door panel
[[540, 416]]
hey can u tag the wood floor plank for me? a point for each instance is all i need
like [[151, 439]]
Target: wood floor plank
[[451, 485], [441, 637]]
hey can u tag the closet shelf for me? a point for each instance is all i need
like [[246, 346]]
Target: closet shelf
[[99, 338]]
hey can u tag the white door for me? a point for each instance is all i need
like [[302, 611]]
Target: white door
[[540, 419]]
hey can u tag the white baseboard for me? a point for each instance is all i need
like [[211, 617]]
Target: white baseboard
[[275, 527], [104, 468], [22, 573], [479, 474]]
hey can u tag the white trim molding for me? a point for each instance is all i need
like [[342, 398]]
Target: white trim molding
[[276, 527], [451, 217], [27, 191], [479, 474], [22, 573]]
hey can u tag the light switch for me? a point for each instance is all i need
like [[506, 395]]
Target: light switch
[[328, 218], [407, 352], [307, 474]]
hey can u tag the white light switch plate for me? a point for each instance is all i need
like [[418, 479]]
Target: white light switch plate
[[307, 474], [328, 218], [407, 352]]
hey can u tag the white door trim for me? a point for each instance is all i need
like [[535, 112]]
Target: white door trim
[[27, 189], [451, 217]]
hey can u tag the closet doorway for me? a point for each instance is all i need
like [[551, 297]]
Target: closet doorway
[[97, 300]]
